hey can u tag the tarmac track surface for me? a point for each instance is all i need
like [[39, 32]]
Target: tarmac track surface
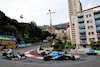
[[86, 61]]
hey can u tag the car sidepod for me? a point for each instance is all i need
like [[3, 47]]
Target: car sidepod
[[58, 57], [77, 57]]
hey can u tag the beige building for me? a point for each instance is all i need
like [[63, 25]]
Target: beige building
[[60, 33], [87, 27], [48, 28], [74, 6]]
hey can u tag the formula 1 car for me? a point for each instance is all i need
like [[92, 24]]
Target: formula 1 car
[[57, 55], [11, 55], [91, 52]]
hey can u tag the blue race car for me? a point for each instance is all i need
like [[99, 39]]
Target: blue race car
[[57, 55], [91, 52]]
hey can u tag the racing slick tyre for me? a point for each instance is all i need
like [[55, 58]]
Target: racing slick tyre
[[4, 54], [69, 58], [10, 58], [46, 58], [43, 54], [72, 58]]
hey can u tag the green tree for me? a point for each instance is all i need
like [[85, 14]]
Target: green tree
[[50, 39], [9, 29], [58, 45], [95, 44], [44, 35]]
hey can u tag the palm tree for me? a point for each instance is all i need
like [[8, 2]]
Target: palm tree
[[95, 44]]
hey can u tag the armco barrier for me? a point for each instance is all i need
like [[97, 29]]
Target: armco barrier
[[28, 44], [17, 46]]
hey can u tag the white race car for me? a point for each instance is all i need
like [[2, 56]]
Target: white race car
[[12, 55]]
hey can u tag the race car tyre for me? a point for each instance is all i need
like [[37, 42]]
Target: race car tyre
[[69, 58], [64, 58], [72, 58], [79, 59], [22, 55], [91, 53], [10, 58], [4, 54], [43, 54], [46, 58]]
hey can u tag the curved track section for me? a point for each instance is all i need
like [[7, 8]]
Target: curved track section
[[29, 54], [86, 61]]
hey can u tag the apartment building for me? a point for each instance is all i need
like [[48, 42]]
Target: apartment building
[[60, 33], [74, 6], [87, 27]]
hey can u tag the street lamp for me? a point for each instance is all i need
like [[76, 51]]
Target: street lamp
[[51, 20], [21, 16], [50, 16]]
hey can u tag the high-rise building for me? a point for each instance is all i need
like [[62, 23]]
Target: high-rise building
[[74, 6], [87, 27]]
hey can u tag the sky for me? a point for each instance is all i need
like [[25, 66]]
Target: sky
[[36, 10]]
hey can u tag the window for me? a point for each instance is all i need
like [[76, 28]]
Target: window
[[86, 15], [90, 27], [91, 39], [73, 35], [84, 46], [89, 15], [89, 21], [91, 33], [73, 31]]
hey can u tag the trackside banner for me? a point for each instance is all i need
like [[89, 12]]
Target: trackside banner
[[21, 45], [28, 44], [97, 51], [8, 38]]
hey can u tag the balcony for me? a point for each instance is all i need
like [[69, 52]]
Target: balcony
[[81, 20], [98, 35], [97, 23], [83, 37], [82, 31], [96, 16], [97, 11], [83, 43], [80, 15], [81, 26], [98, 29]]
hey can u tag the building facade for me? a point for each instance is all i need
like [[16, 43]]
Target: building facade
[[48, 28], [87, 27], [74, 6], [60, 33]]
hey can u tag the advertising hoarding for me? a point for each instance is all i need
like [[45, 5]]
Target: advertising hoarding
[[28, 44], [7, 38], [21, 45], [97, 51]]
